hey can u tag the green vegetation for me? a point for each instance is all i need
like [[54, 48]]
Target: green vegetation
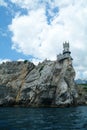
[[83, 86], [25, 61]]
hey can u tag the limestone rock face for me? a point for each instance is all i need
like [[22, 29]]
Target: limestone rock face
[[50, 83], [12, 76]]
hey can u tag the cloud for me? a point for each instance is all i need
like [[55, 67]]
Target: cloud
[[29, 4], [3, 3], [34, 35], [4, 60]]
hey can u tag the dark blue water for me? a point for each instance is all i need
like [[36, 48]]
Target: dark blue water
[[74, 118]]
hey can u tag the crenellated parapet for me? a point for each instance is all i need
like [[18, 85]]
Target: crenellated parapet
[[66, 52]]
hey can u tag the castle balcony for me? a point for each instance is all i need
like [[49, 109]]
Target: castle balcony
[[68, 52], [63, 56]]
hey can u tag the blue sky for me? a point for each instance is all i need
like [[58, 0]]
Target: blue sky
[[36, 29], [6, 51]]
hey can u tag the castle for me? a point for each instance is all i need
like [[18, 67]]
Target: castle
[[66, 53]]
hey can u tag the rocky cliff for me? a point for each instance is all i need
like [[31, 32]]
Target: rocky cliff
[[50, 83]]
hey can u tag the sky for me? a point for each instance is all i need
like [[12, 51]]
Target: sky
[[36, 29]]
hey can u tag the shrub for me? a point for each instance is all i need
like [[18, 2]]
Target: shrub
[[25, 61]]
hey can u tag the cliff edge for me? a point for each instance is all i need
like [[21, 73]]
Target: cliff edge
[[49, 84]]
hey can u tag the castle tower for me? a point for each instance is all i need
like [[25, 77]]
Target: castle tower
[[66, 48], [66, 53]]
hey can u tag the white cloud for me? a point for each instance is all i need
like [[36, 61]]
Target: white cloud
[[32, 35], [85, 74], [29, 4], [4, 60], [20, 59], [35, 61], [3, 3]]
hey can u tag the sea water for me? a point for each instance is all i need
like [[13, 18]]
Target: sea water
[[73, 118]]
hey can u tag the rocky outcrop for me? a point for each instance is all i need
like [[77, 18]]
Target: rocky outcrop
[[50, 83], [12, 77]]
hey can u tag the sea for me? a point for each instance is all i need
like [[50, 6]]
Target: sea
[[16, 118]]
